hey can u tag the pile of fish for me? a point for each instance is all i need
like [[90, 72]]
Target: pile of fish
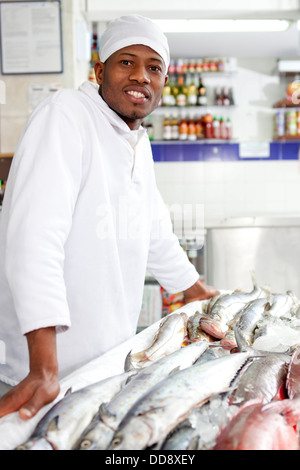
[[223, 378]]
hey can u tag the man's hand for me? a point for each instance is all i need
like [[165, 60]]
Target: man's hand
[[41, 386], [199, 291]]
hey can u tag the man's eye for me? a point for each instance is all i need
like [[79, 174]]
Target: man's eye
[[154, 68], [125, 62]]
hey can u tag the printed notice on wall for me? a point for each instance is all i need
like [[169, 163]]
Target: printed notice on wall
[[254, 150], [31, 37]]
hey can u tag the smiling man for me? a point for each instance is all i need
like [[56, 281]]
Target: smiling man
[[83, 220]]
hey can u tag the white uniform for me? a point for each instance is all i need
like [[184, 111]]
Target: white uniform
[[82, 221]]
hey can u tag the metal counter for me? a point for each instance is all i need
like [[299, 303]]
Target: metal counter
[[268, 245]]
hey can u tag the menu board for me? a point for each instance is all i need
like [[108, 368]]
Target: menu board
[[31, 37]]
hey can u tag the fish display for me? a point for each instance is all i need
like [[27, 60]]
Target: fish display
[[226, 376], [153, 416], [100, 432]]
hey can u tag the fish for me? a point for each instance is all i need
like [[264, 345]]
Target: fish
[[215, 322], [293, 375], [169, 337], [194, 330], [282, 304], [157, 412], [63, 424], [263, 379], [256, 426], [183, 437], [100, 432]]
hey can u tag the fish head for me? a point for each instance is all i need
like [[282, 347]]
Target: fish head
[[214, 327], [35, 444], [134, 435], [98, 438]]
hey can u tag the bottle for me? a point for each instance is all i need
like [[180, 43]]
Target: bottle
[[228, 129], [166, 99], [218, 97], [216, 128], [199, 128], [226, 99], [223, 130], [167, 135], [208, 129], [191, 93], [183, 128], [181, 97], [1, 193], [202, 97], [192, 136], [174, 127]]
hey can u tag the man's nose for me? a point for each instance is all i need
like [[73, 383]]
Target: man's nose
[[140, 75]]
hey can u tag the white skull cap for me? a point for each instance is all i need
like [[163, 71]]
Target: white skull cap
[[130, 30]]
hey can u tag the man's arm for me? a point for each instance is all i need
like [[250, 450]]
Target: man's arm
[[199, 291], [41, 386]]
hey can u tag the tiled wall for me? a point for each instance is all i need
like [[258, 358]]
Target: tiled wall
[[233, 188]]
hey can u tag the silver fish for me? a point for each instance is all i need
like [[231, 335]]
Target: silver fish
[[62, 425], [100, 432], [263, 379], [169, 337], [153, 416], [195, 332], [283, 304], [226, 307], [250, 315]]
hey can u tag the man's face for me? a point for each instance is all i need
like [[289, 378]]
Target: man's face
[[131, 82]]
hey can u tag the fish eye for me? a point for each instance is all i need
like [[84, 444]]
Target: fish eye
[[116, 441], [85, 444]]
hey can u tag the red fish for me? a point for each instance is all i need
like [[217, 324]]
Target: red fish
[[259, 427]]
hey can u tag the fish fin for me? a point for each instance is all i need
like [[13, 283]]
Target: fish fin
[[53, 425], [105, 411], [177, 369], [128, 363], [68, 392]]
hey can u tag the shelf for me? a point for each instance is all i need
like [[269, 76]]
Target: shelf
[[6, 155], [193, 109], [194, 142]]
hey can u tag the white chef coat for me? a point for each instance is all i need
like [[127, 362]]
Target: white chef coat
[[82, 221]]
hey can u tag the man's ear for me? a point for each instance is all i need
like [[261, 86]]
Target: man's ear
[[99, 67]]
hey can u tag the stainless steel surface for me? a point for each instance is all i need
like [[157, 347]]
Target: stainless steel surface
[[269, 246]]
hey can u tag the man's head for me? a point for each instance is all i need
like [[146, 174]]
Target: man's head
[[134, 59]]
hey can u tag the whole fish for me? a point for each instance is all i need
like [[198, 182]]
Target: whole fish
[[169, 337], [155, 414], [195, 332], [100, 432], [250, 315], [263, 379], [255, 428], [225, 308], [62, 425], [282, 304]]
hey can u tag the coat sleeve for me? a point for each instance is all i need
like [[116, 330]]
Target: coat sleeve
[[41, 195], [167, 261]]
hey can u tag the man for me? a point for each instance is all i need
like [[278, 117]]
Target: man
[[82, 221]]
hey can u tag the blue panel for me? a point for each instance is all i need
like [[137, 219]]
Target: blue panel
[[290, 150], [200, 151]]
